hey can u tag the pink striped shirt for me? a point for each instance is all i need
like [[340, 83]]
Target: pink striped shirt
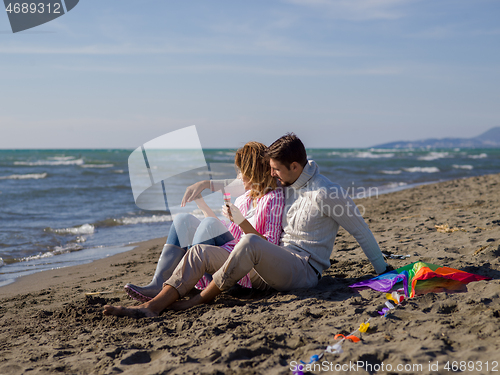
[[267, 218]]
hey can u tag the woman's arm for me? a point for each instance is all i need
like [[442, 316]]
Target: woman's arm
[[203, 206], [270, 215], [193, 191], [233, 186]]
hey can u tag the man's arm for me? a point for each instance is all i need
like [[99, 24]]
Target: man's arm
[[336, 203]]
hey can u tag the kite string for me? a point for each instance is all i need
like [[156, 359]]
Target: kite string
[[337, 348], [334, 349]]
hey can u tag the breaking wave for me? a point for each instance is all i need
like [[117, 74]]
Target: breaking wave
[[371, 155], [58, 250], [82, 229], [97, 165], [34, 176], [480, 156], [391, 172], [362, 154], [466, 166], [394, 185], [434, 156], [422, 169], [145, 219], [49, 161]]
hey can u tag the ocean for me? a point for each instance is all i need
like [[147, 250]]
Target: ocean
[[65, 207]]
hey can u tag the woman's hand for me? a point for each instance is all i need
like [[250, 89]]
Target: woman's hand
[[194, 191], [233, 213]]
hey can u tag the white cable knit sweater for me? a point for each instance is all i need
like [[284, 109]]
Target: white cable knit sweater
[[314, 209]]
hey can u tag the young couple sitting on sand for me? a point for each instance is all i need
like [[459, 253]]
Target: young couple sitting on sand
[[279, 237]]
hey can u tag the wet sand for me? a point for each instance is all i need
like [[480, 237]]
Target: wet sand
[[49, 325]]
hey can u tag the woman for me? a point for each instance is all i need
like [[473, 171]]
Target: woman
[[258, 211]]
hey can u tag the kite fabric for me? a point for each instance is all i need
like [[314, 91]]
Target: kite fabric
[[411, 273]]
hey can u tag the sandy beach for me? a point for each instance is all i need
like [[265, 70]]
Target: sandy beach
[[49, 325]]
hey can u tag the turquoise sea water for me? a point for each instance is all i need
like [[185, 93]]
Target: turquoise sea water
[[65, 207]]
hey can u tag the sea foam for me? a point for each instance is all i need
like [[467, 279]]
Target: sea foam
[[145, 219], [51, 162], [34, 176], [393, 185], [422, 169], [371, 155], [391, 172], [480, 156], [465, 166], [97, 165], [58, 250], [82, 229], [434, 156], [362, 154]]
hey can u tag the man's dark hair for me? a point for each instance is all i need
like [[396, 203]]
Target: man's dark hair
[[288, 149]]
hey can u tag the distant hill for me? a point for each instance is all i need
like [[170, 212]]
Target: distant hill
[[489, 139]]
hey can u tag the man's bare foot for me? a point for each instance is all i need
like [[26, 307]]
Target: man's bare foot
[[183, 305], [207, 295], [132, 311]]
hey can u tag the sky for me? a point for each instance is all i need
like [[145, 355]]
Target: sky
[[338, 73]]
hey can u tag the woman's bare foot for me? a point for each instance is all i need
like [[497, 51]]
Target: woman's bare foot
[[132, 311]]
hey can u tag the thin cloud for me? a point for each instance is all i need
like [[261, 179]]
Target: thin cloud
[[195, 46], [452, 31], [235, 68], [437, 32], [294, 72], [485, 32], [357, 9]]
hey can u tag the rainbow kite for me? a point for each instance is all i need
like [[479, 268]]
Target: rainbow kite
[[433, 278], [410, 274]]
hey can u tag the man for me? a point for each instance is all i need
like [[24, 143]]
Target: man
[[314, 209]]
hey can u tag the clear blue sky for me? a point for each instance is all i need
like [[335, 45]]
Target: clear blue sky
[[338, 73]]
